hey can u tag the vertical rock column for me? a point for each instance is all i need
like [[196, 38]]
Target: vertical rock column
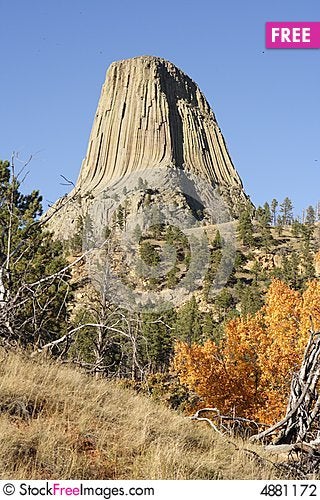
[[150, 114]]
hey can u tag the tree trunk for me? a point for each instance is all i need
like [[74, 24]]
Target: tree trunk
[[304, 400]]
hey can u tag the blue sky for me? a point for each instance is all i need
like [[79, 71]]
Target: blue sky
[[54, 55]]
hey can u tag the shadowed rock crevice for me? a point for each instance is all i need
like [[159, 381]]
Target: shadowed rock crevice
[[173, 95]]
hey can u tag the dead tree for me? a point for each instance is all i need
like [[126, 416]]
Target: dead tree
[[301, 423], [227, 424], [34, 276]]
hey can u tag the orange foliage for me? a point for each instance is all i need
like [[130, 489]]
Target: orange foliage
[[310, 310], [250, 371], [317, 258], [279, 354]]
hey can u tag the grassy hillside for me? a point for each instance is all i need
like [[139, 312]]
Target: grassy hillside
[[56, 422]]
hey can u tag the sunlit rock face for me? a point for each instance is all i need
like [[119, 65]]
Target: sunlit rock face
[[152, 123], [156, 165], [151, 114]]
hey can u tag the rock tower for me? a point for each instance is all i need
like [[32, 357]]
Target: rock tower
[[151, 117], [151, 114]]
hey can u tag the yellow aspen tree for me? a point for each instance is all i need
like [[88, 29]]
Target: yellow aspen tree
[[200, 368], [250, 371], [240, 352], [224, 376], [279, 352], [310, 312]]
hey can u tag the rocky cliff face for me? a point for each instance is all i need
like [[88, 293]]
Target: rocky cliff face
[[156, 175], [152, 123], [151, 114]]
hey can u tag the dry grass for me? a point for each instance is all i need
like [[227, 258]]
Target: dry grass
[[57, 423]]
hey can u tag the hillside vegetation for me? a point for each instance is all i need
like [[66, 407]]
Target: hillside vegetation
[[236, 351], [56, 422]]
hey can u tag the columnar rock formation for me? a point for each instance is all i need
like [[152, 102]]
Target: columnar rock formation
[[151, 114], [152, 122], [156, 160]]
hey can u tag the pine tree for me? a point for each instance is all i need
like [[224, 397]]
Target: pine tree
[[171, 277], [245, 228], [296, 227], [274, 205], [263, 216], [217, 241], [307, 232], [224, 301], [286, 210], [209, 328], [156, 343], [149, 254], [215, 259], [256, 271], [267, 212], [120, 217], [188, 323], [280, 223], [250, 299], [76, 242], [33, 287], [310, 216], [318, 211], [290, 270], [259, 214], [307, 262]]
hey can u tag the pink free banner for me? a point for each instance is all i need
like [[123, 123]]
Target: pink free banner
[[293, 35]]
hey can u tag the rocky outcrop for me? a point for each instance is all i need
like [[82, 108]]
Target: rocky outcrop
[[152, 124], [151, 114], [156, 166]]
